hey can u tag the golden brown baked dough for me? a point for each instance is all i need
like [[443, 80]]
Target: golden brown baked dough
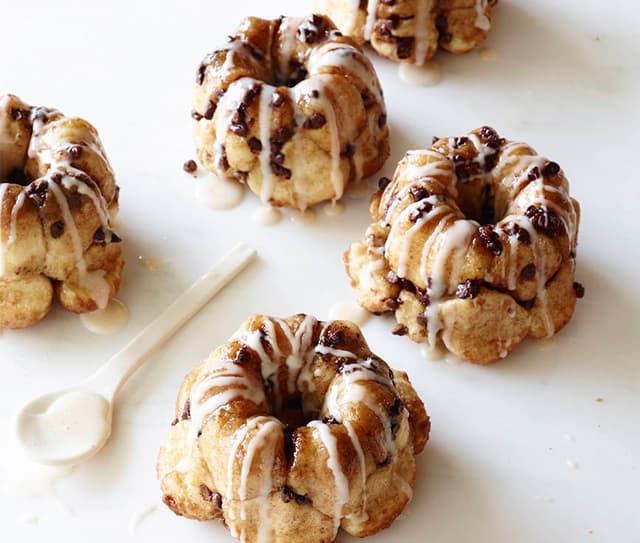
[[291, 430], [57, 197], [291, 108], [411, 30], [473, 242]]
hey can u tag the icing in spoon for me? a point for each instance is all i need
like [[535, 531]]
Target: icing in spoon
[[69, 426]]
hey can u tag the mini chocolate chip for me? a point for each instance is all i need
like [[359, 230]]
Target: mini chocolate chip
[[209, 496], [528, 272], [281, 136], [527, 304], [421, 319], [459, 142], [190, 166], [56, 229], [317, 120], [392, 303], [546, 221], [186, 410], [19, 114], [243, 354], [315, 93], [200, 74], [383, 183], [382, 120], [399, 330], [74, 151], [195, 115], [38, 192], [392, 277], [349, 150], [425, 207], [174, 422], [385, 462], [422, 295], [99, 235], [490, 239], [579, 289], [534, 174], [209, 112], [521, 234], [366, 99], [488, 133], [330, 420], [280, 170], [405, 47], [277, 157], [469, 289], [169, 501], [255, 144], [550, 169], [419, 193], [278, 100]]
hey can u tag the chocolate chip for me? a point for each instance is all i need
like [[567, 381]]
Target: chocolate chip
[[330, 420], [534, 174], [488, 133], [281, 136], [281, 170], [288, 494], [56, 229], [545, 221], [209, 496], [422, 320], [385, 462], [38, 192], [277, 157], [186, 410], [195, 115], [99, 236], [190, 166], [458, 142], [528, 272], [416, 214], [74, 151], [490, 239], [382, 120], [405, 47], [19, 114], [366, 99], [399, 330], [278, 100], [210, 111], [579, 289], [419, 193], [469, 289], [334, 337], [349, 150], [550, 169], [174, 422], [315, 94], [521, 234], [200, 74], [383, 183], [527, 304], [317, 120], [391, 303], [243, 354], [255, 144]]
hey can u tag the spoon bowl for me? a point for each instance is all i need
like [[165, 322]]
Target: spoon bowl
[[64, 427]]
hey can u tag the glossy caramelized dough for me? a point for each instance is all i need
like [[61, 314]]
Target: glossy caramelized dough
[[480, 286], [412, 30], [57, 197], [291, 108], [229, 456]]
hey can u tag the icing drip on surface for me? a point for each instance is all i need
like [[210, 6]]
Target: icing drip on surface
[[267, 216], [107, 321], [218, 193], [3, 192], [304, 218], [349, 311], [424, 75]]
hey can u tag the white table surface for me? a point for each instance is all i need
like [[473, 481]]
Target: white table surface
[[520, 451]]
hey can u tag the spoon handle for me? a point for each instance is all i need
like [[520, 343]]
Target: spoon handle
[[110, 377]]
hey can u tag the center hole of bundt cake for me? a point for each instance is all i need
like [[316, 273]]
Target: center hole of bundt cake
[[17, 177], [292, 413], [477, 200]]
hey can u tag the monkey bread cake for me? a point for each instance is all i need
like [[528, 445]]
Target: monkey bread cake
[[292, 109], [411, 30], [57, 197], [292, 430], [473, 243]]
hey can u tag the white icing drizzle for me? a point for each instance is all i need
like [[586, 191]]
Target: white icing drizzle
[[93, 281], [372, 12], [14, 217], [423, 11], [333, 462], [266, 97], [427, 74], [3, 192], [338, 353], [337, 179], [482, 21], [287, 43], [455, 242], [357, 446]]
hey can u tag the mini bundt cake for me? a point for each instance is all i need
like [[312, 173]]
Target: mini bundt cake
[[411, 30], [57, 197], [291, 108], [473, 242], [292, 430]]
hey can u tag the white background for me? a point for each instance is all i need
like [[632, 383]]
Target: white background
[[566, 80]]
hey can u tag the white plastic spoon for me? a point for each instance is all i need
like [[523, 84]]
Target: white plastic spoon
[[71, 425]]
